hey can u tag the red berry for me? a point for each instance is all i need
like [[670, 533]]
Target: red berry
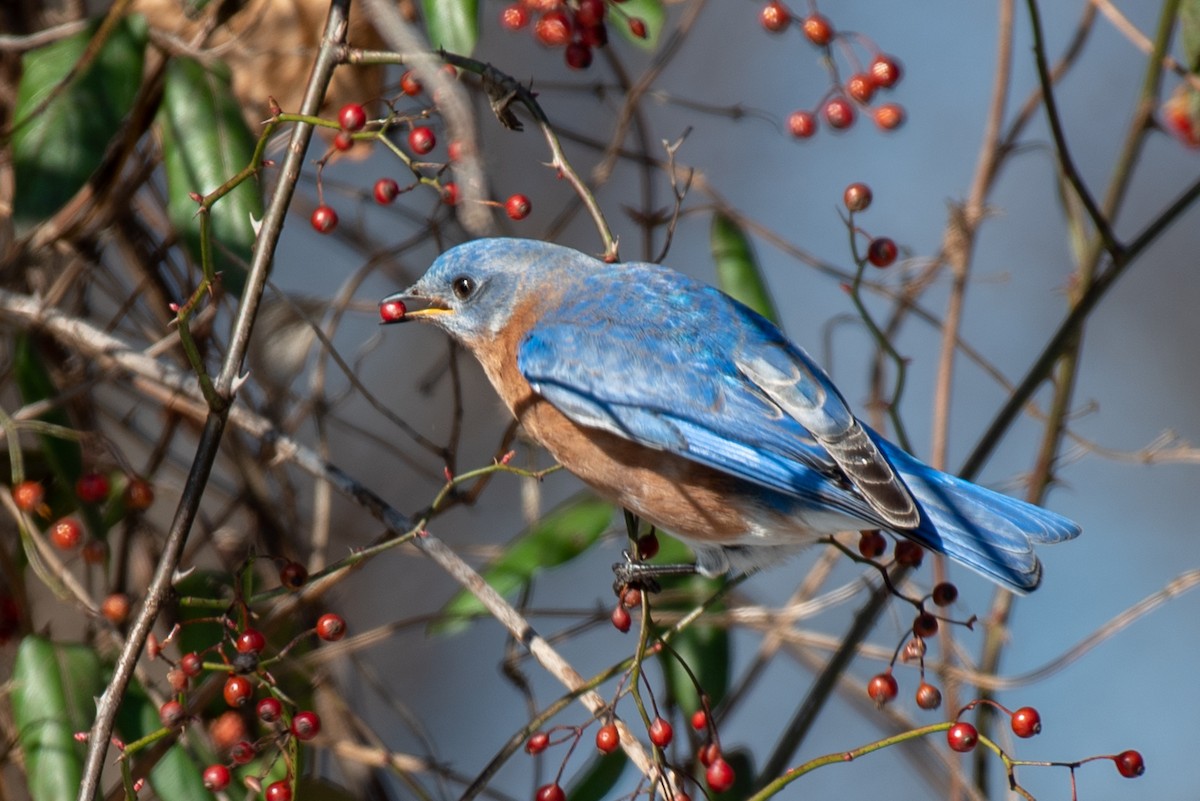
[[907, 552], [925, 625], [719, 775], [872, 544], [962, 737], [550, 792], [647, 546], [928, 696], [269, 709], [881, 253], [945, 594], [838, 112], [386, 190], [590, 13], [95, 552], [594, 35], [331, 627], [882, 688], [410, 84], [450, 193], [324, 219], [250, 641], [238, 690], [620, 619], [775, 16], [278, 791], [191, 664], [177, 679], [553, 29], [578, 56], [631, 598], [637, 27], [514, 17], [421, 140], [66, 533], [171, 714], [889, 116], [306, 725], [293, 575], [699, 720], [884, 71], [92, 487], [802, 124], [661, 732], [242, 752], [216, 777], [115, 608], [857, 197], [352, 117], [392, 311], [343, 141], [1130, 764], [1026, 722], [708, 754], [139, 494], [28, 495], [518, 206], [537, 742], [860, 87], [818, 29], [454, 150], [608, 738]]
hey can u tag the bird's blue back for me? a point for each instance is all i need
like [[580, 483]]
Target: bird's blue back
[[655, 356]]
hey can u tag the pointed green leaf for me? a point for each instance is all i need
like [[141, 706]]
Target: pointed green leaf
[[1189, 24], [558, 537], [651, 14], [55, 149], [53, 696], [704, 648], [205, 143], [600, 776], [737, 268], [452, 25]]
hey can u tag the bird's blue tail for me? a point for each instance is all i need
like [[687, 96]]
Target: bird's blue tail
[[984, 530]]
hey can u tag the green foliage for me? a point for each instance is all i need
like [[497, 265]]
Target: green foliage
[[600, 777], [56, 148], [206, 142], [738, 273], [53, 696], [1189, 25], [650, 12], [452, 25], [557, 538]]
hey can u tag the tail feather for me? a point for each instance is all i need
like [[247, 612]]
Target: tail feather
[[990, 533]]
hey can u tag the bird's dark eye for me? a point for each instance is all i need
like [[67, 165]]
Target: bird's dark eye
[[463, 287]]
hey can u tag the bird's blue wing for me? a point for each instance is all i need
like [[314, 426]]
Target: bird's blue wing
[[667, 362]]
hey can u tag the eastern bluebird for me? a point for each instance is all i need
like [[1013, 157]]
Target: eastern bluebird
[[684, 406]]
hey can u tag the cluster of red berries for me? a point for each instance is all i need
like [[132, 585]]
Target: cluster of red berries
[[422, 140], [718, 773], [881, 251], [840, 107], [577, 26]]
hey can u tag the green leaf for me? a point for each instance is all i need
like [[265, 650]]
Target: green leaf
[[53, 696], [599, 778], [453, 25], [1189, 24], [557, 538], [704, 648], [650, 12], [55, 150], [205, 143], [176, 776], [737, 268]]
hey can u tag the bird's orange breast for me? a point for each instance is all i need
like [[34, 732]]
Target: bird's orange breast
[[669, 491]]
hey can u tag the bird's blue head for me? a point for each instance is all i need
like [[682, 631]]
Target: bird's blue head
[[473, 290]]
